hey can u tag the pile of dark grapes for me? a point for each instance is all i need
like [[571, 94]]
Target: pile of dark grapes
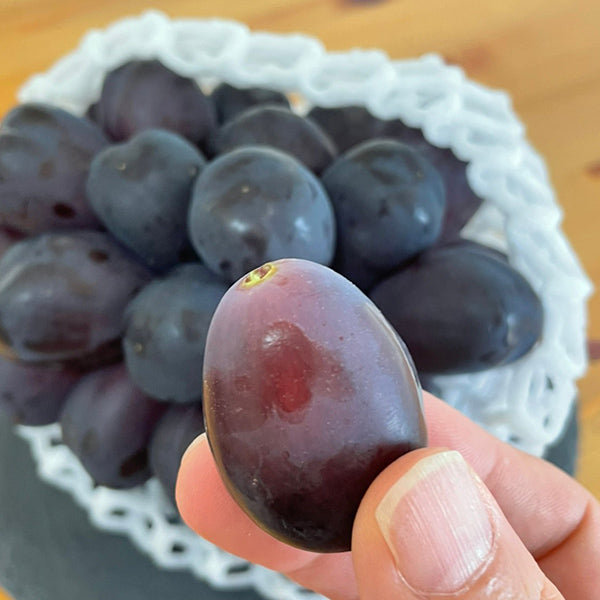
[[122, 230]]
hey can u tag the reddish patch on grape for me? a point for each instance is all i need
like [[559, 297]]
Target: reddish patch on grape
[[289, 360]]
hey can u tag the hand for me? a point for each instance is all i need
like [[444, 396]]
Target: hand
[[480, 521]]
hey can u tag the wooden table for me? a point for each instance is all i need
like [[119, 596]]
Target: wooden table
[[545, 53]]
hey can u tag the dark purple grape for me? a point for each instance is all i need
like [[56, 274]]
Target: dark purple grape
[[308, 396], [144, 94], [33, 395], [62, 295], [462, 202], [461, 310], [107, 423], [45, 154], [229, 101], [257, 204], [389, 204], [165, 332], [178, 428], [281, 129], [349, 126], [141, 191]]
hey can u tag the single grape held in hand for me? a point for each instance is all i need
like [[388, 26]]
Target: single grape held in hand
[[308, 395]]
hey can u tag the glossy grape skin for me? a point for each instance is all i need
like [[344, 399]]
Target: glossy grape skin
[[144, 94], [141, 191], [352, 125], [461, 201], [107, 423], [461, 310], [45, 153], [308, 396], [33, 395], [389, 205], [177, 429], [165, 332], [229, 101], [62, 295], [281, 129], [257, 204]]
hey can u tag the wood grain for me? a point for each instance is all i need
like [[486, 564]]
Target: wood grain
[[543, 52]]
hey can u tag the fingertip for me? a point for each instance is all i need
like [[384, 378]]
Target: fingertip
[[197, 467], [197, 442]]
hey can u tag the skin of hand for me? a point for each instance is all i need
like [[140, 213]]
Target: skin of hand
[[467, 518]]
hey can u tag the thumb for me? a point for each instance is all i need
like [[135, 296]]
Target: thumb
[[429, 528]]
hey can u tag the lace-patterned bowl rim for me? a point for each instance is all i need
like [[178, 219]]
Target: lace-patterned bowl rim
[[525, 403]]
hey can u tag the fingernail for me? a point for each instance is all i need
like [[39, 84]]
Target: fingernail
[[194, 443], [437, 525]]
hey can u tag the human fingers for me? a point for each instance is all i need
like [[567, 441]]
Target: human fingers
[[547, 509], [557, 519], [429, 528]]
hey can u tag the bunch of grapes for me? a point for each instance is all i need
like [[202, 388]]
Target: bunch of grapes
[[121, 231]]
